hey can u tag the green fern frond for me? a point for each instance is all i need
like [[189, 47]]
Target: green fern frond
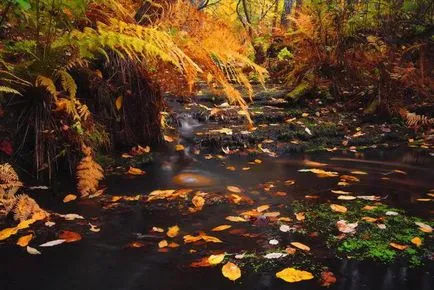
[[68, 83], [9, 90], [48, 84]]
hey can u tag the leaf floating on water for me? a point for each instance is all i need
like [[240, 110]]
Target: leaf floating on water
[[236, 219], [233, 189], [24, 240], [72, 216], [135, 171], [49, 224], [369, 197], [349, 178], [179, 147], [201, 263], [292, 275], [398, 246], [69, 197], [301, 246], [400, 172], [226, 131], [262, 208], [69, 236], [320, 172], [275, 255], [340, 191], [216, 259], [157, 230], [423, 199], [346, 197], [231, 271], [417, 241], [191, 239], [168, 138], [135, 244], [6, 233], [345, 227], [211, 239], [52, 243], [424, 227], [221, 228], [198, 201], [356, 172], [172, 231], [32, 251], [273, 242], [258, 161], [163, 244], [94, 228], [327, 279], [338, 208], [289, 182]]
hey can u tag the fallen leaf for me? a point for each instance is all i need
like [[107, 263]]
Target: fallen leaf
[[423, 199], [369, 207], [391, 213], [273, 242], [398, 246], [69, 197], [300, 216], [24, 240], [72, 216], [356, 172], [345, 227], [292, 275], [173, 245], [157, 230], [163, 244], [320, 173], [340, 191], [118, 102], [211, 239], [369, 219], [233, 189], [301, 246], [172, 231], [198, 201], [168, 139], [203, 262], [191, 239], [135, 171], [135, 244], [346, 197], [338, 208], [221, 228], [262, 208], [231, 271], [349, 178], [49, 224], [179, 147], [275, 255], [94, 228], [69, 236], [327, 279], [284, 228], [290, 250], [423, 227], [417, 241], [258, 161], [381, 226], [235, 219], [32, 251], [52, 243], [289, 182], [216, 259]]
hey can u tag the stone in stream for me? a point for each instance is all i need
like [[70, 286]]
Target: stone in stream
[[192, 179]]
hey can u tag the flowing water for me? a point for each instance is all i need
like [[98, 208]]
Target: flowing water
[[101, 260]]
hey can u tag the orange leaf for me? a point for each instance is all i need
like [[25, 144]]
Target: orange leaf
[[301, 246], [69, 197], [231, 271], [173, 231], [398, 246], [69, 236], [338, 208], [24, 240]]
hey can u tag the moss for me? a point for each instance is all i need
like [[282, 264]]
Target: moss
[[369, 242]]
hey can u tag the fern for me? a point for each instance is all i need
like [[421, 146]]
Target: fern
[[89, 174], [48, 84], [9, 90], [414, 120], [68, 83]]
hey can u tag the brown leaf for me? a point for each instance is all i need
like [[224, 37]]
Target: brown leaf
[[69, 236]]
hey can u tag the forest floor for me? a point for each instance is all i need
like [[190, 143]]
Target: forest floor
[[285, 127]]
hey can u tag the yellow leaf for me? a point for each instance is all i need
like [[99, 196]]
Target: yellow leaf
[[231, 271], [417, 241], [6, 233], [369, 219], [346, 197], [173, 231], [168, 139], [69, 197], [292, 275], [398, 246], [198, 201], [300, 216], [369, 207], [118, 102], [191, 239], [301, 246], [216, 259], [258, 161], [211, 239], [233, 189], [236, 219], [116, 198], [338, 208], [262, 208], [135, 171], [179, 147], [221, 228], [163, 244], [356, 172], [24, 240], [423, 199]]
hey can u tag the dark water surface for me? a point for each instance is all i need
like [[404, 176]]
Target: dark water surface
[[101, 261]]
